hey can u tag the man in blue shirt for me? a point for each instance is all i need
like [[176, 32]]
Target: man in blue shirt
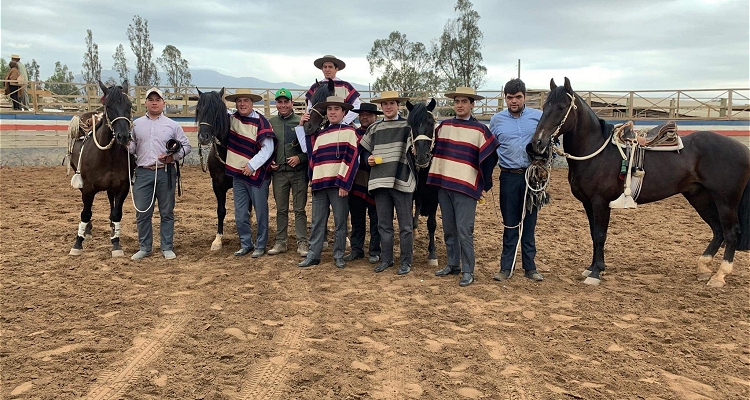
[[513, 128]]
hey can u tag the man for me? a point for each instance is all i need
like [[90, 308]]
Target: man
[[152, 183], [23, 79], [249, 155], [289, 174], [361, 202], [513, 128], [333, 161], [461, 167], [330, 65], [392, 181]]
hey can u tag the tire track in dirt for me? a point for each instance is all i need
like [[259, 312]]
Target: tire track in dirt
[[114, 382], [267, 378]]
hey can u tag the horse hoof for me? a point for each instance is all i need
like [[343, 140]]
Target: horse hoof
[[88, 236], [715, 283], [586, 273], [592, 281], [704, 277], [216, 246], [432, 262], [75, 252], [118, 253]]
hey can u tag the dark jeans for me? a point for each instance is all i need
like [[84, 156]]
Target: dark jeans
[[15, 97], [358, 209], [512, 190], [143, 192], [296, 183]]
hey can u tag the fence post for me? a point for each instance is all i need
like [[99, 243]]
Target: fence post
[[630, 106], [729, 104], [34, 97]]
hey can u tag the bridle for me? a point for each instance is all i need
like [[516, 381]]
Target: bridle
[[111, 128], [323, 117], [424, 137], [556, 134], [215, 142], [572, 106]]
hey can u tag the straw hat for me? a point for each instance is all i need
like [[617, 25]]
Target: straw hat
[[15, 56], [389, 95], [463, 91], [333, 101], [329, 58], [244, 93]]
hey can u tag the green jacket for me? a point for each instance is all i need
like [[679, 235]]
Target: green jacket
[[288, 146]]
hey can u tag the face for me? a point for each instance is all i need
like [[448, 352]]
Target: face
[[329, 70], [390, 109], [154, 104], [244, 106], [462, 106], [335, 114], [366, 119], [283, 106], [515, 102]]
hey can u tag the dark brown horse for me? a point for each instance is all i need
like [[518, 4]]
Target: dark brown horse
[[102, 160], [317, 119], [213, 130], [712, 172]]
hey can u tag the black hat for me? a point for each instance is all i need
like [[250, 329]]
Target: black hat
[[368, 107]]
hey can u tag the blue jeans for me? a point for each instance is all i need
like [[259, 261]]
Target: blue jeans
[[512, 190], [246, 197], [163, 195]]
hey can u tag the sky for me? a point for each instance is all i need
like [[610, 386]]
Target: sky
[[598, 44]]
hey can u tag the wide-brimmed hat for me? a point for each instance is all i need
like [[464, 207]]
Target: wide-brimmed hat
[[243, 93], [368, 107], [389, 95], [463, 91], [338, 63], [12, 56], [333, 101], [154, 90]]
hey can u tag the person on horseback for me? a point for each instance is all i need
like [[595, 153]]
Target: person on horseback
[[330, 65]]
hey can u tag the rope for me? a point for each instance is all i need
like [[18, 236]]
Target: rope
[[130, 180]]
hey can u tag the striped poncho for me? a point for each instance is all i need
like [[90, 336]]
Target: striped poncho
[[245, 137], [333, 157], [362, 177], [462, 156], [341, 89], [392, 141]]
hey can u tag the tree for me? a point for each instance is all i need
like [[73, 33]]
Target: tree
[[111, 82], [140, 44], [177, 68], [59, 82], [404, 66], [4, 68], [33, 70], [92, 68], [121, 63], [459, 51]]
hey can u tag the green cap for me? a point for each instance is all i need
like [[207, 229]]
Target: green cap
[[283, 93]]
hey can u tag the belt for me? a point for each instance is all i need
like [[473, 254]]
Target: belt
[[514, 170], [154, 167]]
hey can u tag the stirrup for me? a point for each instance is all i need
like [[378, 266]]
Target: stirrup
[[624, 201]]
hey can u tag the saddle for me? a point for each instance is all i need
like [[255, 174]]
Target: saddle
[[661, 138]]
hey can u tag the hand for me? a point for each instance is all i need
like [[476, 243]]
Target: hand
[[166, 159], [247, 171], [304, 118], [293, 161], [343, 192], [371, 161], [274, 166]]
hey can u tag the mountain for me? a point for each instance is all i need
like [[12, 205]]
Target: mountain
[[206, 78]]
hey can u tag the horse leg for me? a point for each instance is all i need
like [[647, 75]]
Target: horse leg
[[220, 191], [598, 214], [417, 210], [116, 201], [88, 200], [432, 259], [706, 208], [731, 228]]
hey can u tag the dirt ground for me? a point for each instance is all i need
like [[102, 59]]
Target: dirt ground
[[208, 325]]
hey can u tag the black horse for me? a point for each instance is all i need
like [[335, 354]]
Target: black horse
[[213, 130], [712, 172], [102, 159], [318, 120], [422, 124]]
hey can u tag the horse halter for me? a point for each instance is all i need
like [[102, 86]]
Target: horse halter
[[323, 117], [111, 128], [573, 106], [424, 137]]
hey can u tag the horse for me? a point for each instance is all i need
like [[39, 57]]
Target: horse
[[213, 130], [102, 162], [318, 120], [422, 124], [712, 172]]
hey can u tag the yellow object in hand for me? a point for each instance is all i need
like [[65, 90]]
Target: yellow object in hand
[[482, 200], [378, 160]]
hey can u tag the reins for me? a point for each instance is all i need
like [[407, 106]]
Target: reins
[[556, 134]]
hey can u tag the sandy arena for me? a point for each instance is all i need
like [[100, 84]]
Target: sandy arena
[[208, 325]]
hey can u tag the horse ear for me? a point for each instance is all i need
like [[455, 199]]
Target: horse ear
[[331, 87], [221, 93], [568, 88], [552, 84], [409, 106], [199, 91], [125, 87], [432, 105], [104, 88]]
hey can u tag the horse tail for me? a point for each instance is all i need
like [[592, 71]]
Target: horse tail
[[744, 213]]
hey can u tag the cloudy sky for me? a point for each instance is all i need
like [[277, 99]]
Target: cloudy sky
[[598, 44]]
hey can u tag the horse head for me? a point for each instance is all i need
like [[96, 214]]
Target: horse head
[[118, 113], [318, 119], [211, 117], [558, 109], [422, 123]]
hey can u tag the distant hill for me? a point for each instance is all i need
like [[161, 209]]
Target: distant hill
[[206, 78]]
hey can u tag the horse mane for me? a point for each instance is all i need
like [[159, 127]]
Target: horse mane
[[417, 115], [320, 94], [115, 95], [559, 94], [212, 109]]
